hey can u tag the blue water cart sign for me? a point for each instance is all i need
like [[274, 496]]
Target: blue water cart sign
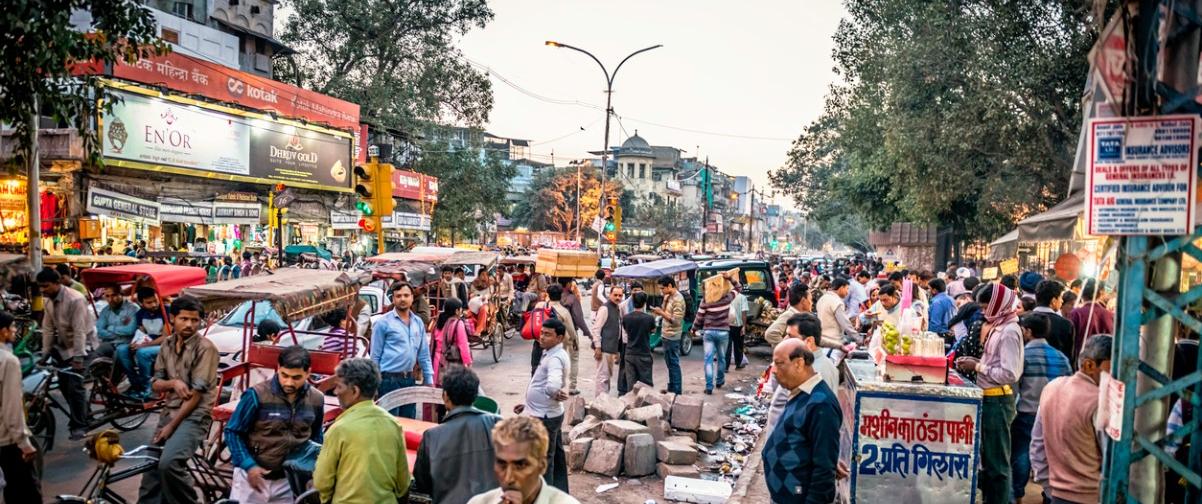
[[1142, 175]]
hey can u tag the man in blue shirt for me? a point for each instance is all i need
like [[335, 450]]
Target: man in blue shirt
[[276, 418], [399, 346], [802, 453], [116, 323], [942, 308]]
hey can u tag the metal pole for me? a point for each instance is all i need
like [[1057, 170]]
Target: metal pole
[[578, 217], [751, 220], [705, 198], [609, 92], [33, 191]]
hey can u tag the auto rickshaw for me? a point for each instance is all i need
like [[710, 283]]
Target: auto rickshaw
[[646, 275]]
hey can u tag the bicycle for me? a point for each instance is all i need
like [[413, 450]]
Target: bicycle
[[105, 448], [123, 412]]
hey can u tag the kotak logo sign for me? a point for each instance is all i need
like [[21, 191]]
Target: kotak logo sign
[[238, 89]]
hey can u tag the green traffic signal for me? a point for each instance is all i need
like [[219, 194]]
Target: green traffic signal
[[364, 208], [609, 226]]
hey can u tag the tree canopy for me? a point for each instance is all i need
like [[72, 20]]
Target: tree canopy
[[471, 189], [40, 47], [395, 58], [550, 202], [963, 114]]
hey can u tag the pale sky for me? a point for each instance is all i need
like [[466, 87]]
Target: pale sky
[[758, 69]]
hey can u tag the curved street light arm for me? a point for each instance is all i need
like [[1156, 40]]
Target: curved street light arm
[[627, 58], [608, 80]]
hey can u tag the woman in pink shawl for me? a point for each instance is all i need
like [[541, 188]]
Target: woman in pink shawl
[[450, 331], [998, 371]]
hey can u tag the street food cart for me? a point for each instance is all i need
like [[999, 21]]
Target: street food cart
[[907, 442]]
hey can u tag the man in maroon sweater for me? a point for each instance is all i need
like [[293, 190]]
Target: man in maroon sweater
[[1066, 447], [1090, 317]]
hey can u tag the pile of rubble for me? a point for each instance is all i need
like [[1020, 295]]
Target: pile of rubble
[[725, 459], [639, 434]]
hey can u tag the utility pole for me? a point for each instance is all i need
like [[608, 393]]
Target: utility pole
[[751, 221], [705, 196], [33, 191]]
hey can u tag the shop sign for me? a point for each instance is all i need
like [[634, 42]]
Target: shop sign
[[166, 133], [184, 211], [245, 197], [924, 447], [407, 220], [193, 76], [1142, 178], [344, 220], [114, 204], [227, 212], [286, 154], [414, 186]]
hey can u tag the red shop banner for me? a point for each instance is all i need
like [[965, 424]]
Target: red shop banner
[[195, 76], [414, 186]]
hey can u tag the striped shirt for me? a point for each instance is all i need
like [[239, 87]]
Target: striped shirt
[[1042, 363], [716, 315]]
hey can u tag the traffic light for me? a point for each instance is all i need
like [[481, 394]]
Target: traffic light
[[367, 224], [383, 202], [365, 187]]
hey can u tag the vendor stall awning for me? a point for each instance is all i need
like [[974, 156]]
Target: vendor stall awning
[[1058, 223], [1004, 247]]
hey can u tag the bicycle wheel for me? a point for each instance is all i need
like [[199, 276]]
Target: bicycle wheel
[[498, 342], [41, 423], [131, 422]]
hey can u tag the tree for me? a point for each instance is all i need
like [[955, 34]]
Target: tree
[[550, 202], [394, 58], [669, 222], [963, 114], [472, 188], [40, 49]]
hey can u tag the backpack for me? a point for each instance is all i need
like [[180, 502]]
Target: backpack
[[450, 350], [532, 324]]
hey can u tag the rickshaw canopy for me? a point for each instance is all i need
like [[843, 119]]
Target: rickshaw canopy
[[655, 269], [443, 252], [484, 259], [400, 257], [90, 259], [296, 250], [522, 259], [167, 279], [295, 293]]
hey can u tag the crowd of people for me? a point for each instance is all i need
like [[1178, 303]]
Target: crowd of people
[[1036, 347]]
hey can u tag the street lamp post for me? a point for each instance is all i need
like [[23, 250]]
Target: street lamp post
[[609, 90]]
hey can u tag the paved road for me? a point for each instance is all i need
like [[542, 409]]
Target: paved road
[[67, 468]]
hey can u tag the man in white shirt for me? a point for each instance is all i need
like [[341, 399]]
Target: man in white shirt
[[519, 443], [544, 400], [857, 294], [739, 309], [836, 327]]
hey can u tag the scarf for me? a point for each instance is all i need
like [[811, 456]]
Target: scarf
[[1000, 310]]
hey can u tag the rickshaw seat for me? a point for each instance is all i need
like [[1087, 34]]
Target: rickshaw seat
[[267, 357]]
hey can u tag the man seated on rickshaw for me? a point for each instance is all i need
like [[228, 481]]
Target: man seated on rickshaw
[[138, 355]]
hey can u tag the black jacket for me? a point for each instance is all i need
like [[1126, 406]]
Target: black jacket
[[1060, 334], [455, 459], [639, 326]]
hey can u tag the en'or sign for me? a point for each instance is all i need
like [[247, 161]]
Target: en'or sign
[[1009, 266], [1142, 178], [990, 273]]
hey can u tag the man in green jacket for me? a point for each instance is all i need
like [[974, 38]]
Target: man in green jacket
[[363, 458]]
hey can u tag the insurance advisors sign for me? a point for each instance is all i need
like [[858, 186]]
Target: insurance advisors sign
[[157, 134]]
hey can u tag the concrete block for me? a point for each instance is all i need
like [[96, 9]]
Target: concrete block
[[659, 429], [681, 471], [578, 453], [638, 387], [686, 412], [589, 427], [638, 456], [696, 490], [606, 407], [683, 436], [646, 414], [709, 433], [674, 453], [648, 397], [604, 457], [574, 410], [630, 398], [622, 429]]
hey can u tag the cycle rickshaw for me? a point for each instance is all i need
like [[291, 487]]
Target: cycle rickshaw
[[492, 325]]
